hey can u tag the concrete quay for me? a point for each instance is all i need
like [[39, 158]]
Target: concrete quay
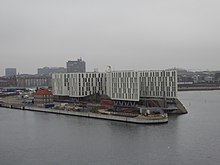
[[199, 88], [163, 118]]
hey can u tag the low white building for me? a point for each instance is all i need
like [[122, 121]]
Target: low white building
[[118, 85]]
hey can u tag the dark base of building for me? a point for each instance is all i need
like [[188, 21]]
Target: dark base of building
[[167, 105], [96, 98]]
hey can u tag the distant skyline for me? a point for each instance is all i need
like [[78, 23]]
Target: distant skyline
[[126, 34]]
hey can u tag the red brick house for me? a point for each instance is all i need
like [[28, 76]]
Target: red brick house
[[43, 96]]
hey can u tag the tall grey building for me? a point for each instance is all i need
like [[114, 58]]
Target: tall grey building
[[76, 66], [9, 72]]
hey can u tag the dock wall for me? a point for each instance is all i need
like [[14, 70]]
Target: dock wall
[[91, 115]]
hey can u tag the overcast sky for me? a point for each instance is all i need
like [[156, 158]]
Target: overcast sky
[[126, 34]]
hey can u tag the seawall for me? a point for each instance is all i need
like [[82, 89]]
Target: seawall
[[198, 88], [136, 120]]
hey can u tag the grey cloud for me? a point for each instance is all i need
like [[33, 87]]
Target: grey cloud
[[125, 34]]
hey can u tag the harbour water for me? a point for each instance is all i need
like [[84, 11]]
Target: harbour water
[[33, 138]]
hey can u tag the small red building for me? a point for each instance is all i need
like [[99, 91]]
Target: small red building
[[106, 103], [43, 96]]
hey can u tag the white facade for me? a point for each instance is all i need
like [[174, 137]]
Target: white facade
[[78, 84], [123, 85], [118, 85], [158, 83]]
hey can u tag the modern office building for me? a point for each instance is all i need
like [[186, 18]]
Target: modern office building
[[10, 72], [124, 86], [50, 70], [76, 66], [158, 84], [78, 84], [128, 87]]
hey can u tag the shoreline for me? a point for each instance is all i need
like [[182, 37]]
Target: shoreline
[[135, 120], [198, 88]]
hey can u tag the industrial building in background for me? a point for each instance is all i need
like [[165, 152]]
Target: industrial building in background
[[33, 81], [76, 66], [47, 71], [10, 72]]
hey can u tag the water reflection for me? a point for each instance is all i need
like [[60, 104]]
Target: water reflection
[[40, 138]]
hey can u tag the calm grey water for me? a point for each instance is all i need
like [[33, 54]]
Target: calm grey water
[[33, 138]]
